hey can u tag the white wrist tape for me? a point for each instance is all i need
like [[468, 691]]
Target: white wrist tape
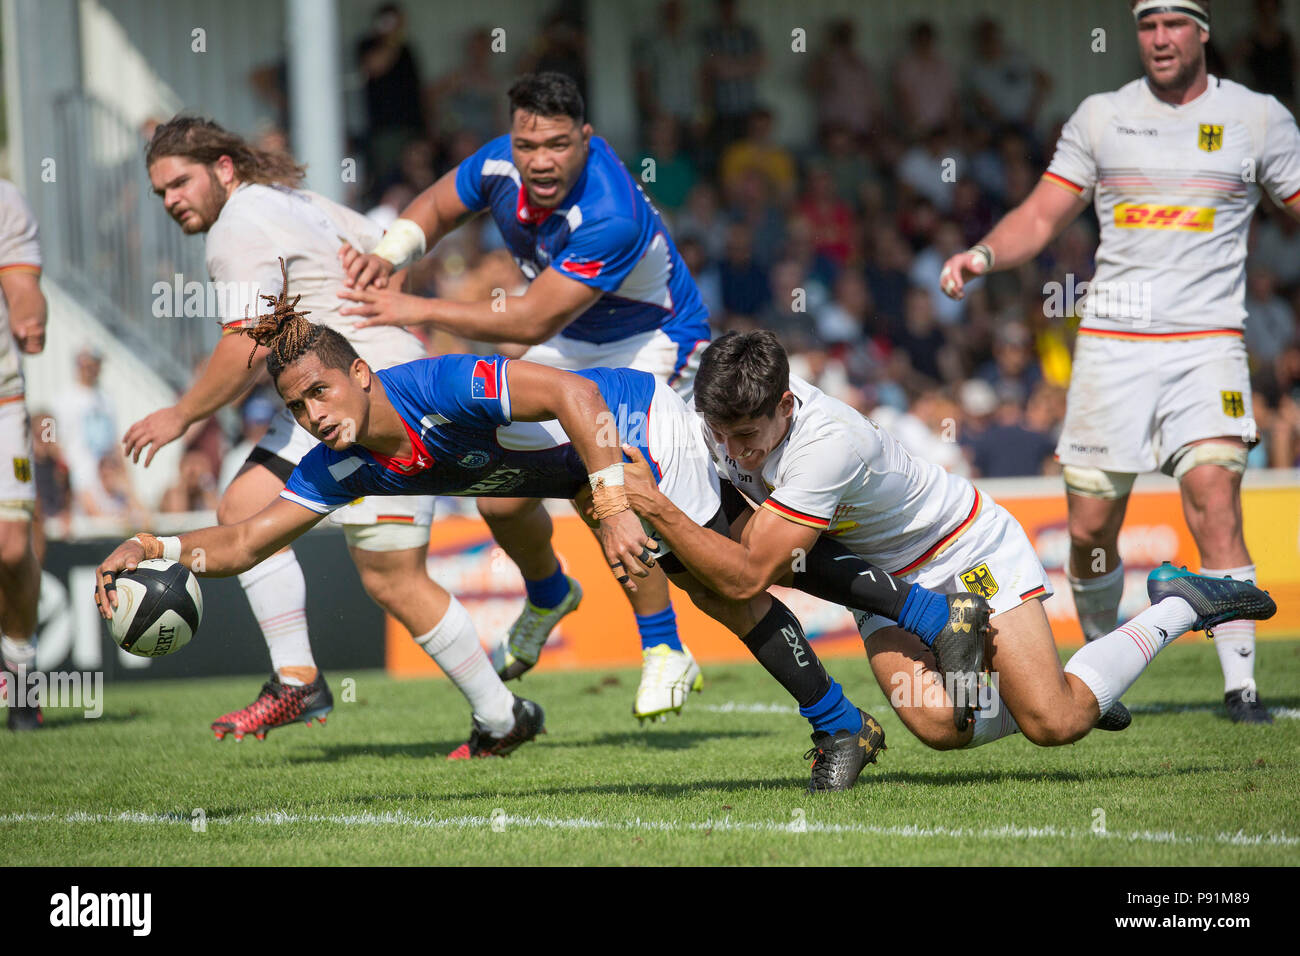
[[171, 547], [403, 243], [980, 250], [611, 476]]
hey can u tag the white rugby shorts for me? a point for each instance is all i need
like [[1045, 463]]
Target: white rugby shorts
[[1134, 402], [992, 558], [654, 352], [17, 489]]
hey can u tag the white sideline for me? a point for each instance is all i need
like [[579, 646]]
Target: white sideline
[[725, 825]]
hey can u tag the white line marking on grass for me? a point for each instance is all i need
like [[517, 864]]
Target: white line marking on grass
[[736, 707], [725, 825], [1285, 713]]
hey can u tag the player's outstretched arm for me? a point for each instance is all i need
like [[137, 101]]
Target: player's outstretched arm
[[550, 303], [738, 570], [539, 393], [430, 216], [215, 552], [224, 378], [1019, 236]]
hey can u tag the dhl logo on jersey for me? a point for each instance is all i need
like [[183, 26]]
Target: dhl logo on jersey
[[1152, 216]]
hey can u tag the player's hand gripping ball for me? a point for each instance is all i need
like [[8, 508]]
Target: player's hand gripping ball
[[159, 607]]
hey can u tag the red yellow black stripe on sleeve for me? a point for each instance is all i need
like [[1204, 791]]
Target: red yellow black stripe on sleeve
[[1064, 183], [798, 517], [1291, 198]]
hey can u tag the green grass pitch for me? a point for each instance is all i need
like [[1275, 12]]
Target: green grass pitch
[[722, 784]]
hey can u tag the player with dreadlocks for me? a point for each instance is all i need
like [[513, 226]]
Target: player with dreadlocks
[[488, 425], [248, 204]]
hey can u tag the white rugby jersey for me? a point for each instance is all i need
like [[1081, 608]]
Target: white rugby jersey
[[260, 224], [846, 476], [1174, 188], [20, 251]]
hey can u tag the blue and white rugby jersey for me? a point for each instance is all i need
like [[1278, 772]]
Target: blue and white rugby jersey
[[605, 234], [456, 409]]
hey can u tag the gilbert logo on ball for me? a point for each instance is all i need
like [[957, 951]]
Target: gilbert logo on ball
[[159, 606]]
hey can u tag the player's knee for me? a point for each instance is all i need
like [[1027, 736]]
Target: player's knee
[[228, 511], [15, 544], [1052, 728], [943, 738], [506, 509], [385, 589]]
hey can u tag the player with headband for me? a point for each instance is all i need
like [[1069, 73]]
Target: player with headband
[[1174, 164]]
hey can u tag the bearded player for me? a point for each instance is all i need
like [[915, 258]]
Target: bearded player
[[1174, 164], [606, 288], [247, 204]]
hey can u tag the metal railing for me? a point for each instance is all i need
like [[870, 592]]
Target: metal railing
[[116, 248]]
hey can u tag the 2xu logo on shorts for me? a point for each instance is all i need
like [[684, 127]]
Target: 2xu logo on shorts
[[75, 908]]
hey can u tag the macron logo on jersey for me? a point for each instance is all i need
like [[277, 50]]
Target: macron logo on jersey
[[484, 383], [588, 270]]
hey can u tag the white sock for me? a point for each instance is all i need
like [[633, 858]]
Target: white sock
[[1096, 600], [992, 723], [277, 593], [1110, 664], [453, 644], [1235, 640], [17, 656]]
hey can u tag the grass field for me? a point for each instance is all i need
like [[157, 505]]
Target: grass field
[[723, 784]]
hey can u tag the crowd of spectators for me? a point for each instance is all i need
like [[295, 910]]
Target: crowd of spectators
[[835, 243]]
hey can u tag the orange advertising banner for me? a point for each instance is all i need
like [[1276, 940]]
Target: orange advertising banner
[[602, 632]]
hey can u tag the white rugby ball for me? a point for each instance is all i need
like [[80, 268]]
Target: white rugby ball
[[159, 607]]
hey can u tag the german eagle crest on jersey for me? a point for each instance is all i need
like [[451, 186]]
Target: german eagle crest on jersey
[[979, 580]]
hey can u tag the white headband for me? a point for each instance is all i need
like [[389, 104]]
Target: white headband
[[1188, 8]]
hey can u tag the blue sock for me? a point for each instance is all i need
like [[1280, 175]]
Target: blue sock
[[925, 613], [660, 628], [833, 712], [548, 592]]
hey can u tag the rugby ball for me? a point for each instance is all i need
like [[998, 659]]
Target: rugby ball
[[159, 606]]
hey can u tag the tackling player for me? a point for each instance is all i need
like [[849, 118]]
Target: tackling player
[[245, 201], [606, 288], [810, 465], [1174, 164], [22, 329], [464, 425]]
